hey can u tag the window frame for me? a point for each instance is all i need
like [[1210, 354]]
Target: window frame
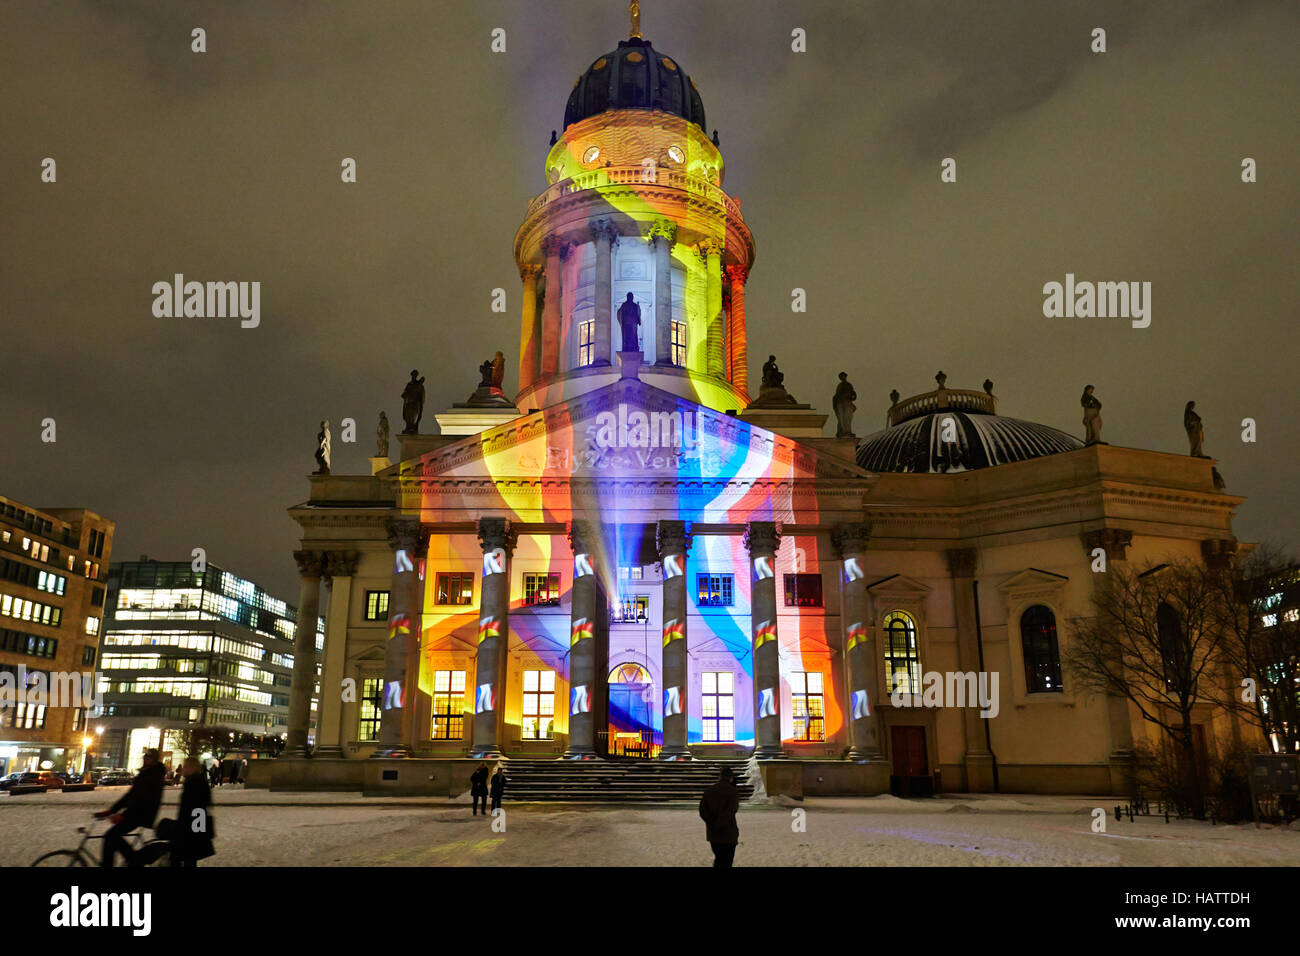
[[441, 591], [792, 589]]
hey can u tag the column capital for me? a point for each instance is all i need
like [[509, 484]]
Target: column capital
[[406, 534], [1218, 553], [1113, 541], [664, 230], [583, 536], [850, 538], [961, 562], [530, 270], [496, 533], [762, 537], [672, 537], [737, 273], [707, 248], [603, 229], [555, 246], [342, 564], [312, 564]]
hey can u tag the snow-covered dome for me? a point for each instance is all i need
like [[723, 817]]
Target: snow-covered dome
[[952, 430]]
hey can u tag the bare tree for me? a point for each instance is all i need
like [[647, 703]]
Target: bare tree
[[1154, 639], [1260, 650]]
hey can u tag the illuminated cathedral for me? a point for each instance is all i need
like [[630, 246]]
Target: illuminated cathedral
[[647, 555]]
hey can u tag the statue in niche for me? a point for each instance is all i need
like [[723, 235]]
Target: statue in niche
[[1195, 431], [845, 396], [629, 320], [1091, 416], [381, 437], [323, 449], [413, 403], [773, 377]]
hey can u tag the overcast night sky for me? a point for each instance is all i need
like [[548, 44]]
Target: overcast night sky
[[225, 166]]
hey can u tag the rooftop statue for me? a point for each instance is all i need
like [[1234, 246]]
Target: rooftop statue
[[323, 449], [1195, 431], [498, 371], [844, 406], [413, 403], [773, 377], [381, 437], [1091, 416], [941, 379]]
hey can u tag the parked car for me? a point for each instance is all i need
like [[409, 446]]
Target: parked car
[[116, 778], [23, 777], [50, 780]]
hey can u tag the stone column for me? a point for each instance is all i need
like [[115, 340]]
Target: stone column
[[584, 668], [711, 251], [663, 234], [341, 568], [528, 332], [555, 251], [604, 233], [674, 541], [859, 642], [498, 543], [762, 539], [977, 760], [408, 539], [311, 567], [738, 345]]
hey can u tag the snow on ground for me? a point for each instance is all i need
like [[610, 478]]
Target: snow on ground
[[259, 828]]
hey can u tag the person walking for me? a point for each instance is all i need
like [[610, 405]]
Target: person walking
[[138, 807], [190, 834], [718, 809], [498, 787], [478, 790]]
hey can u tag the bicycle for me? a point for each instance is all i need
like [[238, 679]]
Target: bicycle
[[150, 852]]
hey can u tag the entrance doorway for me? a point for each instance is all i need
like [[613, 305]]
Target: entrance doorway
[[633, 713], [911, 776]]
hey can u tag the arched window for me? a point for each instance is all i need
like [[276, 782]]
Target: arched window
[[902, 654], [1042, 655], [1169, 629], [629, 673]]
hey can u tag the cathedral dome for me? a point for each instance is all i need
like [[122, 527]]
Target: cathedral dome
[[954, 430], [635, 76]]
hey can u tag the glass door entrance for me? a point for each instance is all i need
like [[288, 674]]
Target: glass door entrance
[[633, 714]]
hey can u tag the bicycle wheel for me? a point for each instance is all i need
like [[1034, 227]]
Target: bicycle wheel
[[61, 858]]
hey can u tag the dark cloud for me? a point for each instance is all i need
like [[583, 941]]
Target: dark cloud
[[226, 166]]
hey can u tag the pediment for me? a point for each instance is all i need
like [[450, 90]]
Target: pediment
[[900, 587], [627, 430], [1032, 580]]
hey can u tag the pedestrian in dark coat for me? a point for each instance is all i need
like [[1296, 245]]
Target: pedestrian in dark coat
[[233, 776], [138, 807], [191, 833], [718, 809], [478, 789], [498, 786]]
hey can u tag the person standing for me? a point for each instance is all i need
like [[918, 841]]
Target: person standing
[[498, 787], [718, 809], [478, 789], [138, 807], [190, 834]]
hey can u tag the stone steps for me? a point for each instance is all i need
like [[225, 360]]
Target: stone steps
[[616, 781]]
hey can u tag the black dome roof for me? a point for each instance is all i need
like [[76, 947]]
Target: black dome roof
[[982, 441], [635, 76]]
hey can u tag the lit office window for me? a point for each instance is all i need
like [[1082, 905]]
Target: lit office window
[[448, 705], [372, 696], [803, 590], [456, 587], [902, 655], [678, 345], [714, 590], [542, 589], [718, 707], [808, 705], [376, 605], [539, 705], [586, 343]]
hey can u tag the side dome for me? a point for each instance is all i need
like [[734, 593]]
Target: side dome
[[635, 76], [920, 441]]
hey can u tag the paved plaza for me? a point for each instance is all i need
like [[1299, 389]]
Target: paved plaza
[[256, 827]]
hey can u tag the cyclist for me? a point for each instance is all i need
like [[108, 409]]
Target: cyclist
[[136, 808]]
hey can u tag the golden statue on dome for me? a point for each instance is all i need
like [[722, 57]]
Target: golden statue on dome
[[634, 9]]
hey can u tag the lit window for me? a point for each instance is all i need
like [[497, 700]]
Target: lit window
[[803, 590], [718, 706], [1042, 656], [92, 625], [372, 695], [807, 703], [448, 705], [456, 588], [678, 345], [630, 574], [591, 155], [902, 655], [714, 590], [632, 609], [542, 589], [539, 705], [675, 154], [376, 605], [586, 343], [1270, 620]]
